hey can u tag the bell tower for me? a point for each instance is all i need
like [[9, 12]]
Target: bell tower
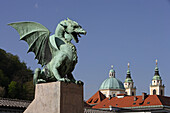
[[129, 84], [156, 87]]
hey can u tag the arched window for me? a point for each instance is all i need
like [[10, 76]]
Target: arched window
[[154, 92], [161, 92], [133, 94]]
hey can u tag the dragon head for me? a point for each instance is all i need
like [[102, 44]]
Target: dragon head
[[72, 30]]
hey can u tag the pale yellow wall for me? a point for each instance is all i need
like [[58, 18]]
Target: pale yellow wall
[[157, 85], [111, 92], [156, 82], [158, 90], [127, 85], [129, 88]]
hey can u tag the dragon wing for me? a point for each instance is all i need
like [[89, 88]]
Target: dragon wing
[[37, 37]]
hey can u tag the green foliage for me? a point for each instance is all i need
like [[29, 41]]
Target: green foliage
[[2, 91], [29, 90], [4, 80], [13, 77], [12, 89]]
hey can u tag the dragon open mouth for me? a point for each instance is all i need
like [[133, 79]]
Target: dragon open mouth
[[76, 35]]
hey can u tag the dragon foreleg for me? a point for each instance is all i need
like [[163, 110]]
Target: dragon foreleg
[[57, 64], [72, 79], [38, 76], [58, 77]]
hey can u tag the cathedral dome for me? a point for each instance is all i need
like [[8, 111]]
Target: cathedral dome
[[112, 83]]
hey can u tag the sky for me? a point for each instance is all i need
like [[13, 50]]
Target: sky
[[118, 32]]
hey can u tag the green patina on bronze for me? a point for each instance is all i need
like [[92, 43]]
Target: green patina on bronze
[[156, 75], [55, 53]]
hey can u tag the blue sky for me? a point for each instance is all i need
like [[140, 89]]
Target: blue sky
[[118, 32]]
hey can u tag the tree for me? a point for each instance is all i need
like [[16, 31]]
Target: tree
[[15, 77], [2, 91], [4, 80], [12, 89], [29, 90]]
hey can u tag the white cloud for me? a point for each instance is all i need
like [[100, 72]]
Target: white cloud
[[36, 5]]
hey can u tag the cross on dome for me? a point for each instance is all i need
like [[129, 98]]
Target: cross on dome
[[128, 65], [156, 62]]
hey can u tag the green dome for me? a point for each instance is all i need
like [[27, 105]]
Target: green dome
[[112, 71], [156, 77], [128, 80], [112, 83]]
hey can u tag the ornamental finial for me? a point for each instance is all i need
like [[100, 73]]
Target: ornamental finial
[[112, 66], [112, 72], [156, 62], [128, 65], [128, 71]]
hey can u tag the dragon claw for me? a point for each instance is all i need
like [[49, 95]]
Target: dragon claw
[[41, 81], [67, 80], [79, 82], [64, 80]]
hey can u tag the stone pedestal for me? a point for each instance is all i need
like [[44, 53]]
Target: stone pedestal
[[57, 97]]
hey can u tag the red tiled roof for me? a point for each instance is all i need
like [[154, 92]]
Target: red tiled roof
[[129, 101], [164, 100], [7, 102], [96, 98]]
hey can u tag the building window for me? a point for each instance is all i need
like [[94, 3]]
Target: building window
[[140, 103], [133, 94], [154, 92], [95, 100], [90, 100], [161, 92], [126, 93], [113, 95]]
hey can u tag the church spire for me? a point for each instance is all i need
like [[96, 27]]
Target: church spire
[[128, 75], [156, 69], [129, 84], [156, 87], [128, 72]]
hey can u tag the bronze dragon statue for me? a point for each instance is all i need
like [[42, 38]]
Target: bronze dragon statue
[[55, 53]]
